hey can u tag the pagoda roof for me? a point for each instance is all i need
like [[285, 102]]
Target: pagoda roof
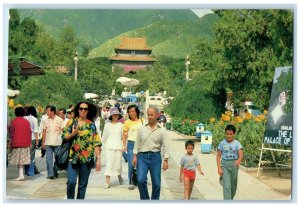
[[129, 43], [133, 58], [27, 68]]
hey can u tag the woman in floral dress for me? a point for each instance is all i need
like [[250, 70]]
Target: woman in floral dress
[[86, 146]]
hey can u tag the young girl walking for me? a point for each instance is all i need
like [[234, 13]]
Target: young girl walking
[[189, 162]]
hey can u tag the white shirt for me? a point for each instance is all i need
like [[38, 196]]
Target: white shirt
[[53, 129], [65, 121], [97, 124], [43, 118], [112, 136], [33, 125]]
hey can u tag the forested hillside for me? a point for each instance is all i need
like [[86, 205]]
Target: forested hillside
[[95, 26], [168, 38]]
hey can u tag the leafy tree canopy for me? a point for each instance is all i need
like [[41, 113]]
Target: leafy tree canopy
[[254, 43], [50, 89]]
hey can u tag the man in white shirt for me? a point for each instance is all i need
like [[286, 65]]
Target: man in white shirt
[[51, 138], [62, 115]]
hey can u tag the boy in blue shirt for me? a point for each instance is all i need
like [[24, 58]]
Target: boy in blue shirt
[[229, 157]]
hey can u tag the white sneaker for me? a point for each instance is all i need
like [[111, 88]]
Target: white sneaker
[[106, 186]]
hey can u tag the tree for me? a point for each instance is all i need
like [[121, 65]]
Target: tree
[[95, 76], [22, 36], [14, 79], [194, 101], [43, 52], [50, 89], [86, 48], [161, 76], [255, 42], [14, 19], [66, 47]]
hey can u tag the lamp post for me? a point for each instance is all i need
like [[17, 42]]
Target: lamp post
[[76, 61], [187, 63]]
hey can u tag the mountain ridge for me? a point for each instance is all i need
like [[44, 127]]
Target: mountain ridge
[[95, 26], [167, 38]]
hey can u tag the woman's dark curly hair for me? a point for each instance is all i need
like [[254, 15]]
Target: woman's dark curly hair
[[92, 110]]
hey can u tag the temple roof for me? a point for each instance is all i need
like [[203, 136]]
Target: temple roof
[[129, 43], [135, 58], [27, 68]]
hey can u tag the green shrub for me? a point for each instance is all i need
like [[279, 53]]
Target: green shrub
[[250, 133], [184, 126]]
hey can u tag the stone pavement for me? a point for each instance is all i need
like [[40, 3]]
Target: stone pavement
[[206, 187]]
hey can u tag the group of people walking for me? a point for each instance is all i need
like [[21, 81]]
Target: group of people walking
[[144, 145]]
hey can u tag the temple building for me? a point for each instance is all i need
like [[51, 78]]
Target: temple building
[[27, 68], [132, 54]]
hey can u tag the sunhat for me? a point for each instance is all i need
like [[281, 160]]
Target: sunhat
[[114, 110]]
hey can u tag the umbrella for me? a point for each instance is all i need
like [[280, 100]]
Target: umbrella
[[90, 95], [128, 82], [123, 79], [12, 93]]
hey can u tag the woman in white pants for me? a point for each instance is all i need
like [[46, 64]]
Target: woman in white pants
[[112, 141]]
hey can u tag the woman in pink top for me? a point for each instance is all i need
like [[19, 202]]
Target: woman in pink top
[[20, 142]]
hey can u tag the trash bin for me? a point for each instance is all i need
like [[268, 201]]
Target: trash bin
[[206, 142], [199, 129]]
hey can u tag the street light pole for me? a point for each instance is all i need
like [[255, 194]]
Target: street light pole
[[187, 63], [76, 61]]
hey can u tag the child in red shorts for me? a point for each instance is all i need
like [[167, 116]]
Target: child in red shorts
[[189, 162]]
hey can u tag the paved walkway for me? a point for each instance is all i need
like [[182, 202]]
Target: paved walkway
[[206, 187]]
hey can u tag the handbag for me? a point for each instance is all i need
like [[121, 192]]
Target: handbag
[[134, 176], [62, 155]]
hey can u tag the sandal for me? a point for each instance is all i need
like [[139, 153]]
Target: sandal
[[19, 179], [106, 186]]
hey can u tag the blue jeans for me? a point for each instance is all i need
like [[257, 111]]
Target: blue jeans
[[130, 146], [149, 161], [83, 170], [49, 160], [125, 156]]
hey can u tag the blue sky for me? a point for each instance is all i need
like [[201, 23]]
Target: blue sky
[[201, 12]]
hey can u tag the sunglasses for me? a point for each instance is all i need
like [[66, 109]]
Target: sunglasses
[[83, 109]]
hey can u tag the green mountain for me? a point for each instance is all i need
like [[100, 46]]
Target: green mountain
[[95, 26], [169, 38]]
